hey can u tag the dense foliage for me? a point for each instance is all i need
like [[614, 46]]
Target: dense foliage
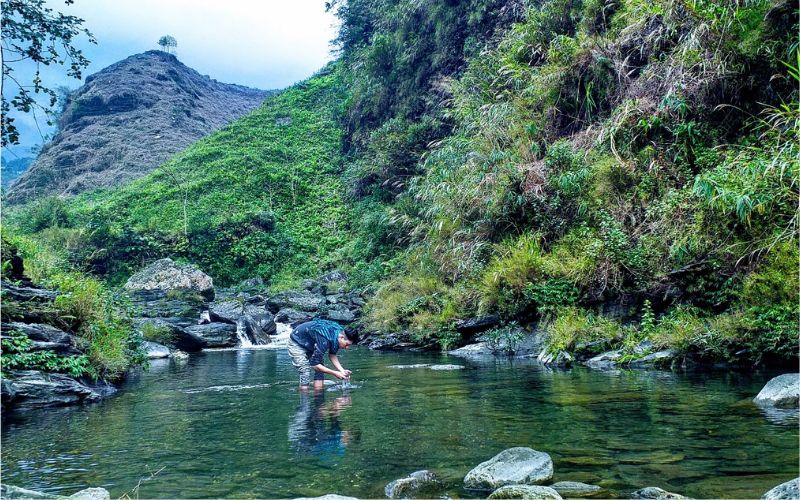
[[613, 171], [85, 306]]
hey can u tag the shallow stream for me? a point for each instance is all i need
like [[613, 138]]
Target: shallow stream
[[233, 424]]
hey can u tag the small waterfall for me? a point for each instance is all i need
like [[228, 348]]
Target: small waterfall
[[241, 333], [281, 337]]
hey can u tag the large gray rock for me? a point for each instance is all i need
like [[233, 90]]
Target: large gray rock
[[526, 491], [653, 493], [293, 317], [214, 334], [35, 389], [154, 350], [45, 337], [781, 392], [174, 334], [512, 466], [340, 313], [605, 360], [166, 275], [573, 489], [478, 350], [161, 304], [658, 358], [301, 300], [91, 494], [419, 484], [790, 490]]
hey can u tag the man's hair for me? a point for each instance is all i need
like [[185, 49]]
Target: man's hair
[[351, 334]]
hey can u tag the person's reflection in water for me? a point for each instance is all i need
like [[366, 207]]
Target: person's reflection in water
[[316, 428]]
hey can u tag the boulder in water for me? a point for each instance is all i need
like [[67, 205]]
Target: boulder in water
[[659, 358], [91, 494], [605, 360], [172, 332], [154, 350], [526, 491], [781, 392], [512, 466], [420, 484], [214, 334], [654, 493], [166, 275], [790, 490]]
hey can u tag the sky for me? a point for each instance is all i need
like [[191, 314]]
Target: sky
[[267, 44]]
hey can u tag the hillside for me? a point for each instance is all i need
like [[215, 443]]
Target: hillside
[[261, 197], [126, 120], [611, 174]]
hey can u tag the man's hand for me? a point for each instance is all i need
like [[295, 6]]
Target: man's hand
[[341, 375], [347, 372]]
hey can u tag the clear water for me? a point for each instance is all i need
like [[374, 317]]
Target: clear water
[[232, 424]]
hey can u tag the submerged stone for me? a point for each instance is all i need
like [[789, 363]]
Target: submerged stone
[[419, 484], [653, 493], [155, 350], [526, 491], [575, 489], [512, 466]]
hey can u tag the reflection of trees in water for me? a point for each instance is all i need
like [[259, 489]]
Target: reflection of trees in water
[[316, 428]]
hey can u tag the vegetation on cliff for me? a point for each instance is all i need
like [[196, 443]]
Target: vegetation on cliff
[[535, 161]]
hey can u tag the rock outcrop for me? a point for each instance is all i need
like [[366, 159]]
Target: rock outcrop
[[128, 119], [167, 276], [36, 389]]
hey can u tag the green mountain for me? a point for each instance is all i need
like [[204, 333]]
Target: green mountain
[[613, 171]]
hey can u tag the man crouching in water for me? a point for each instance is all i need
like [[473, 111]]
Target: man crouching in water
[[310, 341]]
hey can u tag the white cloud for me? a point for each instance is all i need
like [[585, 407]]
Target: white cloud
[[266, 44]]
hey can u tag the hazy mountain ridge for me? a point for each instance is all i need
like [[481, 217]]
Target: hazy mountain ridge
[[126, 120]]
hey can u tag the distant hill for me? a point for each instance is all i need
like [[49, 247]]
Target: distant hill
[[126, 120], [12, 169]]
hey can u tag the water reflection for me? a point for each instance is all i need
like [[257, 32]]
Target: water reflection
[[316, 427]]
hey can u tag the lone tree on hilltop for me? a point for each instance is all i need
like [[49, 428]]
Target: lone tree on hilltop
[[167, 43], [35, 33]]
